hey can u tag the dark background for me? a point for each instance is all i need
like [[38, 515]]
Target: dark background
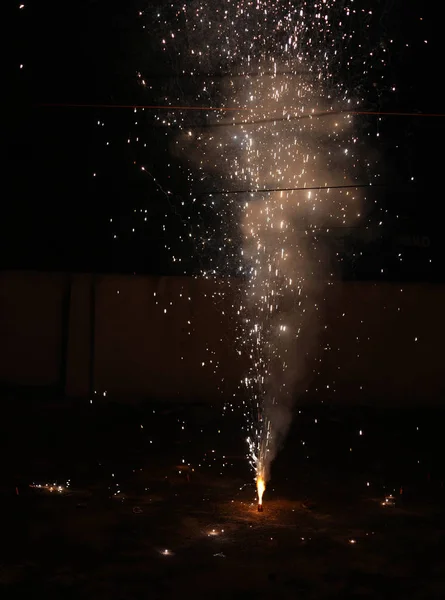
[[56, 214]]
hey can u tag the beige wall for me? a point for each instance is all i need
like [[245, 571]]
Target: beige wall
[[79, 343], [154, 334], [143, 351], [30, 328], [375, 355]]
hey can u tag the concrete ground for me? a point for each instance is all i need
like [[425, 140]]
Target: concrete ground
[[159, 503]]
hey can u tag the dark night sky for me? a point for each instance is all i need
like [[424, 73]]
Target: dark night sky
[[56, 215]]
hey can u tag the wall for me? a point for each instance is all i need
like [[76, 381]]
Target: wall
[[386, 343], [154, 334], [31, 306], [175, 338]]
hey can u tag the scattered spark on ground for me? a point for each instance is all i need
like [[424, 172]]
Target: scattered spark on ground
[[51, 487]]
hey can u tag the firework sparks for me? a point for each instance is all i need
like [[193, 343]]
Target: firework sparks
[[278, 63], [282, 255]]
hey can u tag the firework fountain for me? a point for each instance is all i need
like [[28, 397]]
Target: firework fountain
[[284, 59], [285, 136]]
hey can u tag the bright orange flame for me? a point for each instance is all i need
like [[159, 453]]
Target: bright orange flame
[[260, 486]]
